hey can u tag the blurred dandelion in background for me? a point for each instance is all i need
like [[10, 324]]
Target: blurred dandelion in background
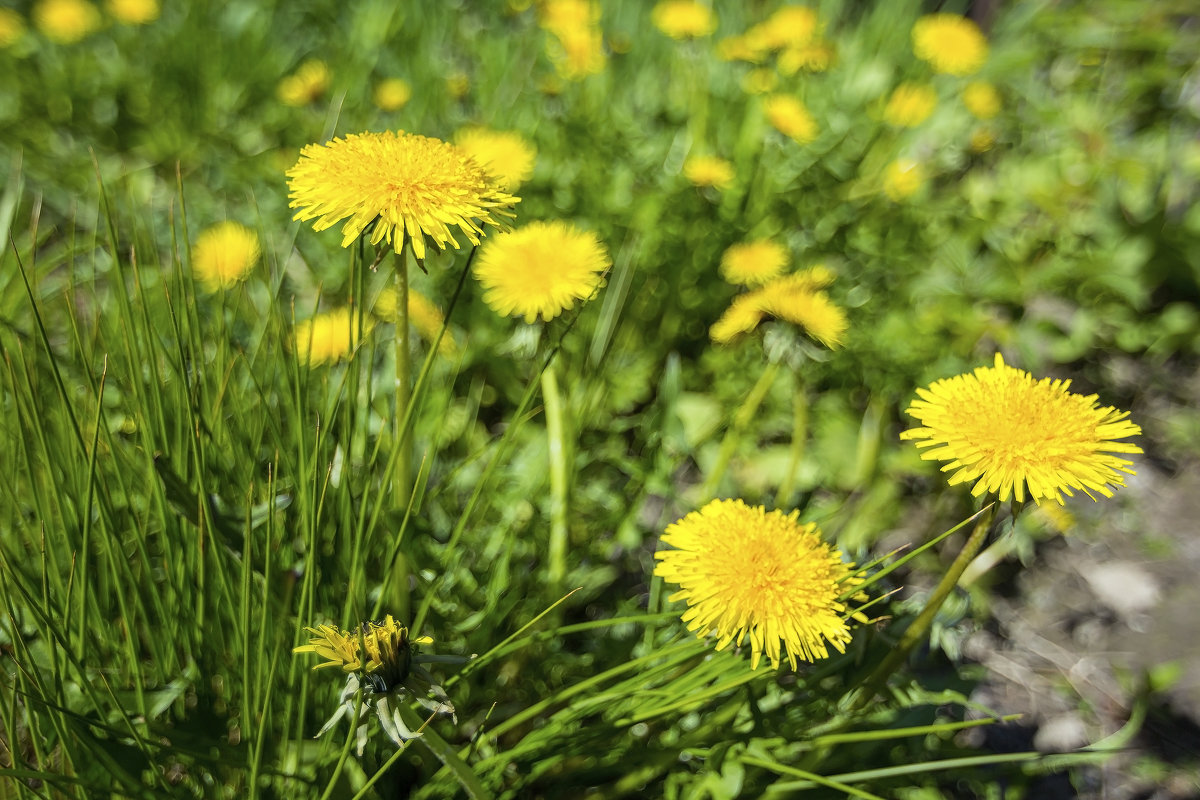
[[577, 48], [326, 338], [952, 45], [541, 269], [708, 171], [902, 179], [981, 99], [683, 19], [910, 104], [794, 298], [749, 573], [65, 21], [1010, 434], [423, 315], [401, 185], [224, 254], [505, 155], [789, 116], [753, 263], [383, 662], [392, 94], [306, 85], [133, 12]]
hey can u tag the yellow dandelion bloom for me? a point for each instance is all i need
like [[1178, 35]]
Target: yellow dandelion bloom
[[423, 315], [327, 338], [789, 116], [792, 298], [790, 26], [815, 56], [952, 45], [1010, 434], [402, 185], [12, 27], [505, 155], [981, 99], [749, 573], [578, 53], [741, 48], [305, 85], [683, 19], [910, 105], [743, 315], [753, 263], [902, 179], [392, 94], [224, 254], [65, 21], [383, 649], [709, 171], [133, 12], [541, 269], [557, 16]]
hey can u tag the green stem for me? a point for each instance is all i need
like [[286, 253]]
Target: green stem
[[733, 436], [556, 425], [402, 478], [783, 497], [920, 626]]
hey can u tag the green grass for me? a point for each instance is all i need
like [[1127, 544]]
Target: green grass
[[181, 495]]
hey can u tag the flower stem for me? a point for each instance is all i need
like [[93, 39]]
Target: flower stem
[[920, 626], [559, 479], [741, 420], [799, 442], [402, 477]]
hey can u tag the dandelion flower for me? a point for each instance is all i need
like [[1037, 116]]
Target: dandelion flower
[[326, 338], [423, 315], [305, 85], [404, 185], [65, 21], [224, 254], [1010, 434], [792, 298], [743, 315], [910, 105], [902, 179], [749, 573], [578, 50], [392, 94], [708, 171], [790, 26], [505, 155], [952, 45], [12, 27], [981, 99], [133, 12], [540, 269], [382, 660], [683, 19], [741, 48], [753, 263], [791, 118]]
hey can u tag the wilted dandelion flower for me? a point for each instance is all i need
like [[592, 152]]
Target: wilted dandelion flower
[[12, 27], [224, 255], [789, 116], [327, 337], [708, 171], [910, 105], [382, 660], [902, 178], [133, 12], [683, 19], [753, 263], [746, 572], [541, 269], [505, 155], [404, 185], [792, 298], [305, 85], [392, 94], [1008, 433], [65, 21], [952, 45], [423, 315], [981, 99]]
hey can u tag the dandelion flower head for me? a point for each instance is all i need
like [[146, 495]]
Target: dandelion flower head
[[326, 338], [683, 19], [951, 44], [505, 155], [406, 186], [753, 263], [392, 94], [910, 105], [541, 269], [578, 47], [133, 12], [65, 21], [708, 171], [794, 298], [902, 179], [224, 254], [981, 99], [790, 26], [12, 27], [1011, 434], [789, 116], [749, 573], [305, 85], [383, 649]]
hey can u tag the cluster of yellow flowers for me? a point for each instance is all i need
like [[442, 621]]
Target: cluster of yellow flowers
[[71, 21], [575, 44]]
